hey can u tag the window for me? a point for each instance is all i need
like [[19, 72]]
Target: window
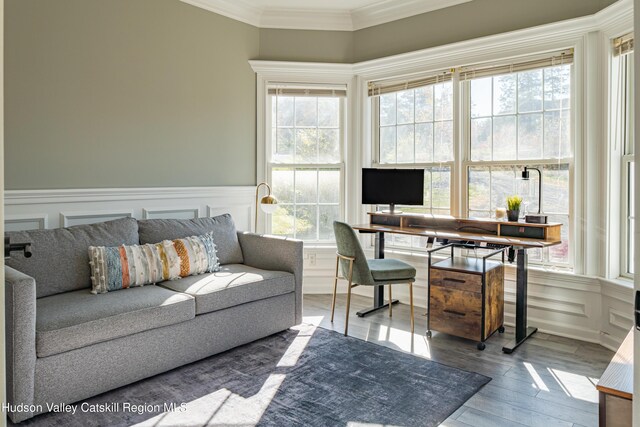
[[515, 120], [509, 116], [623, 137], [306, 161], [415, 130]]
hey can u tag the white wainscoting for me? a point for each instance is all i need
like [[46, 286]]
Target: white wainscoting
[[40, 209], [580, 307]]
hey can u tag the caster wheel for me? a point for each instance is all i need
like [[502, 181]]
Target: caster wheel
[[428, 334], [481, 346], [501, 329]]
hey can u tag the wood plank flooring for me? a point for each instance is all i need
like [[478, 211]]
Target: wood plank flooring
[[548, 381]]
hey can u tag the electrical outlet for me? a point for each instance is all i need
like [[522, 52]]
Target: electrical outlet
[[312, 259]]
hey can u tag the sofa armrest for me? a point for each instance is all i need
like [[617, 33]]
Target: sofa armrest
[[20, 323], [275, 253]]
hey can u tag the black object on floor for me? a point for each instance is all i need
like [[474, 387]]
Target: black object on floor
[[305, 376]]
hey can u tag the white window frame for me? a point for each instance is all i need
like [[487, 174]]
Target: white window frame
[[461, 162], [626, 161], [320, 166], [271, 73], [375, 138], [626, 158], [465, 118]]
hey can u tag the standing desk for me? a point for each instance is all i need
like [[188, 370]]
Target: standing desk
[[518, 235]]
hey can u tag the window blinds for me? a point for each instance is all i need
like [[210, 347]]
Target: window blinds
[[316, 91], [480, 71], [623, 45], [468, 72], [389, 86]]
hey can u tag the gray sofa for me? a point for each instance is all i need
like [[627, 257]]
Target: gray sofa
[[65, 344]]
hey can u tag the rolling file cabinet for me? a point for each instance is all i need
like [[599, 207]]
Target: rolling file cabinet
[[466, 295]]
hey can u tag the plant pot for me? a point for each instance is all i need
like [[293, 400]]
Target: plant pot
[[513, 215]]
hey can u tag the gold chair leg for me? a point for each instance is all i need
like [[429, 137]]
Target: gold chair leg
[[346, 320], [390, 304], [411, 303], [335, 289]]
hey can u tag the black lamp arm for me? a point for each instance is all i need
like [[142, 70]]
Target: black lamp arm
[[526, 169]]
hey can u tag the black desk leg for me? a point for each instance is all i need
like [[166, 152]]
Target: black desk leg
[[378, 291], [522, 331]]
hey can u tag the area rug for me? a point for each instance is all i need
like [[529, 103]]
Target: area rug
[[305, 376]]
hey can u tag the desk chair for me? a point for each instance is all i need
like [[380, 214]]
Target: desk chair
[[358, 270]]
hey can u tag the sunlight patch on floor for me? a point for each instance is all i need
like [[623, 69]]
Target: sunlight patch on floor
[[536, 377], [404, 340], [575, 385], [313, 320]]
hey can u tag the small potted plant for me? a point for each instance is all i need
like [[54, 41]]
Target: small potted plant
[[513, 208]]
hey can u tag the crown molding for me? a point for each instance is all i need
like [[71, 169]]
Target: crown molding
[[308, 19], [616, 17], [391, 10], [322, 19], [557, 35], [234, 9]]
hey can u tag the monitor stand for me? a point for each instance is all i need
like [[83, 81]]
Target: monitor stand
[[392, 210]]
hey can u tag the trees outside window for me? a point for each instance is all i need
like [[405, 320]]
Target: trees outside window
[[306, 169], [522, 119]]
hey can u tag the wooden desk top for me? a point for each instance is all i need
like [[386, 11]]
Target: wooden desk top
[[618, 377], [459, 235]]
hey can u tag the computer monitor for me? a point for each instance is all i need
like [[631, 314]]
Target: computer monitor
[[392, 187]]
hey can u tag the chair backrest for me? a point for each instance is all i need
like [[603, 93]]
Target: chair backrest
[[349, 245]]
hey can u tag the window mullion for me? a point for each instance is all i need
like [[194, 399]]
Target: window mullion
[[462, 113]]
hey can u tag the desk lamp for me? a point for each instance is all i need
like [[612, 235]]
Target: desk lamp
[[268, 203], [535, 218]]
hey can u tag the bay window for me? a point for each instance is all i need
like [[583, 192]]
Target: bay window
[[507, 116]]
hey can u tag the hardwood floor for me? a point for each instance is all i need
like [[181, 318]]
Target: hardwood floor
[[548, 381]]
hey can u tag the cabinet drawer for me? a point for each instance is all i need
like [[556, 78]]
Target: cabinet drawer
[[456, 280], [456, 312]]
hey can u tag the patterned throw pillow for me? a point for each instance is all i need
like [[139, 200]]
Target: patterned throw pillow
[[191, 255], [121, 267]]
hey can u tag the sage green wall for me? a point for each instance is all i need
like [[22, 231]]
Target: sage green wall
[[306, 45], [466, 21], [144, 93], [127, 93]]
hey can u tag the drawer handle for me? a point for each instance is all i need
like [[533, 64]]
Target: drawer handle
[[449, 279], [457, 313]]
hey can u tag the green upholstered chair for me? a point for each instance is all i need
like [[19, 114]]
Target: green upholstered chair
[[358, 270]]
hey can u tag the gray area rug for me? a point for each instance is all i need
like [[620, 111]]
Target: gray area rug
[[304, 376]]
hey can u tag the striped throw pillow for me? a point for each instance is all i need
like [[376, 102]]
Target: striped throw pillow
[[122, 267]]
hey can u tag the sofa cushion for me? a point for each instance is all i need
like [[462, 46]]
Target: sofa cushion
[[223, 228], [234, 284], [77, 319], [60, 261]]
